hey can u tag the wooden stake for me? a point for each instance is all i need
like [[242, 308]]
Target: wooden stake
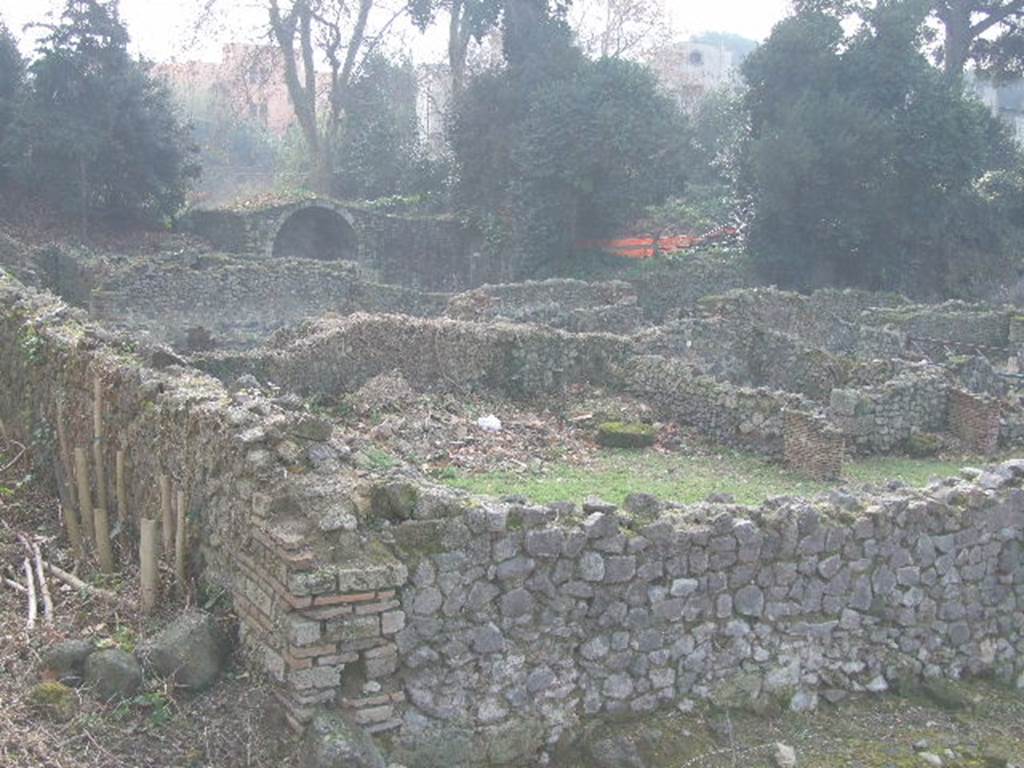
[[65, 453], [148, 562], [84, 494], [166, 514], [44, 588], [120, 488], [103, 551], [98, 443], [74, 531], [30, 624], [181, 538]]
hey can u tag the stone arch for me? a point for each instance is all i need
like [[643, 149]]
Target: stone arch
[[316, 231]]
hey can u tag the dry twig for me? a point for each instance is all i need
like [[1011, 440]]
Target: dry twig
[[30, 624]]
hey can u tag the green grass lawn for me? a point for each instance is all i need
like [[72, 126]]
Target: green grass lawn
[[685, 479]]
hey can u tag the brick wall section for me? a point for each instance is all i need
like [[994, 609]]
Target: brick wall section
[[975, 420], [812, 446]]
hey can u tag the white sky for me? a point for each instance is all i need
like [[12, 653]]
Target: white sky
[[162, 29]]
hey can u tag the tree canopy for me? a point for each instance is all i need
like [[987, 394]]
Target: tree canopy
[[96, 133], [554, 147], [864, 164]]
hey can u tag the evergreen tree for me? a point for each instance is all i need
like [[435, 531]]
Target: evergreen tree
[[97, 133]]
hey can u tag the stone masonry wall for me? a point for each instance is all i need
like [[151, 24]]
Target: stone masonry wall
[[879, 418], [812, 446], [427, 252], [572, 305], [522, 621], [243, 301], [243, 462]]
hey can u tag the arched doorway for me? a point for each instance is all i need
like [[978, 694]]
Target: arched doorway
[[316, 232]]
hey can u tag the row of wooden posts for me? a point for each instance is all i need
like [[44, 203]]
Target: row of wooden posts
[[89, 525]]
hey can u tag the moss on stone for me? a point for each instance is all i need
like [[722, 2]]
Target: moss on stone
[[54, 700], [621, 434]]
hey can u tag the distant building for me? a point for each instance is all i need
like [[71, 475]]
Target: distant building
[[433, 96], [689, 70], [249, 81], [1005, 101]]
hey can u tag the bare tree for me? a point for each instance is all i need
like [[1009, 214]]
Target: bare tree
[[966, 24], [620, 28], [321, 46]]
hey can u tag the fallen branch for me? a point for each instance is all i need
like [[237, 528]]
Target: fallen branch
[[32, 608], [77, 583], [44, 588], [16, 459], [14, 585]]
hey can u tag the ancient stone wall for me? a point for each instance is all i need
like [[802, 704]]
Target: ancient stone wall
[[522, 621], [335, 355], [571, 305], [426, 252], [241, 301], [931, 327], [812, 446], [881, 417], [242, 461], [736, 416], [749, 355]]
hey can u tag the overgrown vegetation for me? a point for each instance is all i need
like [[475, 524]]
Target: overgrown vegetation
[[686, 479]]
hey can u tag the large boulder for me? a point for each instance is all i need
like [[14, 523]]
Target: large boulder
[[64, 662], [333, 742], [113, 674], [191, 651]]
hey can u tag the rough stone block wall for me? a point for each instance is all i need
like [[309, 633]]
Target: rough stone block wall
[[572, 305], [435, 253], [954, 321], [522, 621], [879, 418], [242, 301], [336, 355], [975, 420], [813, 446], [735, 416], [241, 460]]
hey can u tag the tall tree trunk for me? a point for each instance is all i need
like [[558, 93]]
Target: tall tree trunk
[[956, 18], [458, 45]]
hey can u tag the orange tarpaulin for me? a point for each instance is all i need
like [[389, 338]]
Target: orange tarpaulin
[[648, 246]]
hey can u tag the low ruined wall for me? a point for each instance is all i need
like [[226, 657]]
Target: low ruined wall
[[332, 356], [880, 418], [242, 301], [571, 305], [932, 327], [521, 621], [736, 416], [749, 355], [244, 464]]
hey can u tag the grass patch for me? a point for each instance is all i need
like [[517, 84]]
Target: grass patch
[[686, 479]]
